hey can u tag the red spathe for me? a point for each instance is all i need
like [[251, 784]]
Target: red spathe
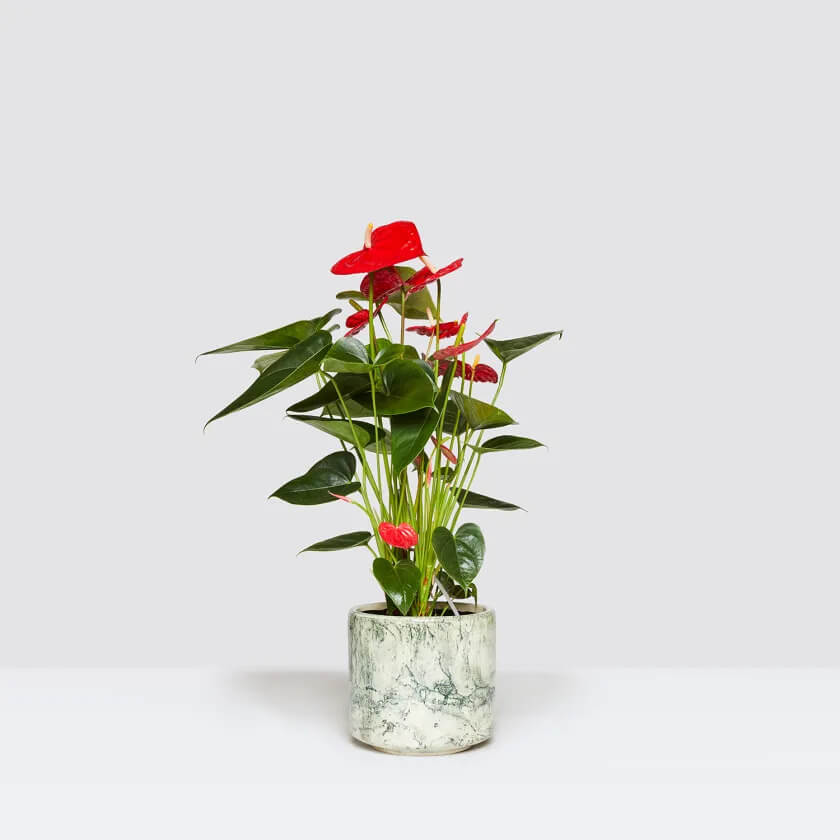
[[399, 536], [389, 245]]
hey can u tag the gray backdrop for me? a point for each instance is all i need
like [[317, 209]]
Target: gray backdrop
[[660, 180]]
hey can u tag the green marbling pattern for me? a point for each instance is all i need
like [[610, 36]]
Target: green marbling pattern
[[422, 685]]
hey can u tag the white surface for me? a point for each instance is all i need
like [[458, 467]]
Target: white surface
[[659, 179], [598, 726], [603, 754]]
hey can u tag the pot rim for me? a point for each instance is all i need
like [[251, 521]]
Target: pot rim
[[467, 610]]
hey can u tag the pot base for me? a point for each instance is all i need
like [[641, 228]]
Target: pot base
[[418, 752]]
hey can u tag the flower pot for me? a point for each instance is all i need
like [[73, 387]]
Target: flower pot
[[422, 686]]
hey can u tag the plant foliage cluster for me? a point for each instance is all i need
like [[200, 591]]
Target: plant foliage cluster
[[411, 424]]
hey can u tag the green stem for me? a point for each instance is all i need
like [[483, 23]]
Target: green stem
[[359, 449], [475, 456]]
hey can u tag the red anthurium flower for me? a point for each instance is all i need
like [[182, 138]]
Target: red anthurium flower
[[385, 281], [460, 369], [426, 275], [484, 373], [447, 328], [389, 245], [399, 536], [445, 451], [358, 320], [457, 349]]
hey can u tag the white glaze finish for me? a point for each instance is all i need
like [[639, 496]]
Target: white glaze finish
[[422, 685]]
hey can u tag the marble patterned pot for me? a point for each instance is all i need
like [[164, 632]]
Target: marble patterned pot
[[422, 686]]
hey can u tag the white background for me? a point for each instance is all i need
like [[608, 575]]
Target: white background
[[660, 180]]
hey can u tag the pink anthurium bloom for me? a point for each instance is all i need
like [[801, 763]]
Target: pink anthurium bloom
[[388, 245], [445, 451], [398, 536], [457, 349]]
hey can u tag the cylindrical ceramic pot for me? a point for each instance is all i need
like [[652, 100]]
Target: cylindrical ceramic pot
[[422, 685]]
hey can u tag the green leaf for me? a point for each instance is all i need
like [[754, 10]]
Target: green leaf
[[389, 352], [460, 556], [296, 365], [478, 414], [331, 474], [447, 554], [350, 294], [416, 304], [504, 442], [340, 428], [279, 339], [469, 542], [476, 500], [407, 387], [409, 434], [511, 348], [347, 385], [351, 540], [350, 408], [400, 583], [348, 355], [262, 362], [449, 420]]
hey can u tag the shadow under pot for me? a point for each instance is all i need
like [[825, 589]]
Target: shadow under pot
[[422, 686]]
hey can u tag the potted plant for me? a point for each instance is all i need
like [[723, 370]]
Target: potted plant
[[411, 426]]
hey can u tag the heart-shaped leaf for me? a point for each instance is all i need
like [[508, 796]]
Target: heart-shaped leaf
[[296, 365], [365, 433], [480, 415], [511, 348], [400, 583], [505, 442], [348, 355], [388, 352], [416, 304], [345, 384], [444, 545], [279, 339], [407, 387], [333, 474], [351, 540], [460, 556], [476, 500], [469, 543], [409, 434]]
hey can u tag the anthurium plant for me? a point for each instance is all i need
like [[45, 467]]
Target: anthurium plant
[[411, 422]]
